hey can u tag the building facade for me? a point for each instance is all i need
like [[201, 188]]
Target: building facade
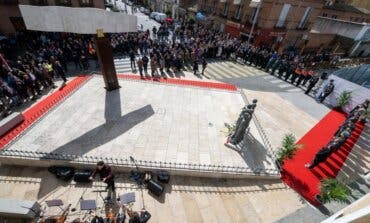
[[347, 11], [11, 18], [331, 31], [279, 24]]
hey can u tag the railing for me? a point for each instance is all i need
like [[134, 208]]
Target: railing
[[146, 164], [262, 133]]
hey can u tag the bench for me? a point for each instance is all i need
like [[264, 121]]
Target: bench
[[10, 122]]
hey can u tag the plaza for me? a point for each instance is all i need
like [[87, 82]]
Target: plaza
[[152, 111], [149, 121]]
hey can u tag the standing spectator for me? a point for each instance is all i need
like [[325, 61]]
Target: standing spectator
[[132, 60], [161, 64], [84, 61], [204, 65], [153, 66], [195, 66], [312, 82], [59, 71], [145, 63], [140, 65], [328, 88], [76, 60]]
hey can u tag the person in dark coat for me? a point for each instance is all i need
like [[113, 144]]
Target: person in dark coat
[[106, 175], [320, 157], [312, 82], [328, 88]]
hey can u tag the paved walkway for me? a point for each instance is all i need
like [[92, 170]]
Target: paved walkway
[[186, 199]]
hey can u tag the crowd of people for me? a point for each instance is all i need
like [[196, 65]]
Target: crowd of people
[[342, 134], [168, 48], [45, 57]]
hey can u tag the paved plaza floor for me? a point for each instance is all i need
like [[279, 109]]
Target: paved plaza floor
[[186, 199], [149, 121]]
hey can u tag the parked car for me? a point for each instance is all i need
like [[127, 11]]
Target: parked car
[[160, 17], [153, 15]]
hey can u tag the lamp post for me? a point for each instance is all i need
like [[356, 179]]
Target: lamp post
[[254, 21]]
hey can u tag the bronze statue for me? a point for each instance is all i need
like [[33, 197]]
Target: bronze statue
[[242, 124]]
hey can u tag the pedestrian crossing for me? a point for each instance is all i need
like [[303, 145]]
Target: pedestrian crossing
[[123, 66], [218, 70]]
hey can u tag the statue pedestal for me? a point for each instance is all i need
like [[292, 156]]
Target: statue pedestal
[[105, 56]]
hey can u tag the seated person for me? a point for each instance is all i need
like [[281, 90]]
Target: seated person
[[360, 111], [135, 217], [338, 142], [364, 105], [320, 157]]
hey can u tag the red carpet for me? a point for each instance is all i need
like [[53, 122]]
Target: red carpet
[[203, 84], [306, 182], [39, 109]]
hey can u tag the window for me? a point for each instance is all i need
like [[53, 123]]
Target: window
[[9, 2], [38, 2], [334, 16], [305, 18], [238, 12], [64, 2], [226, 9], [254, 12], [85, 3], [325, 15], [283, 15]]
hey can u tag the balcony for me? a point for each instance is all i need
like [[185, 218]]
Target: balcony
[[352, 30]]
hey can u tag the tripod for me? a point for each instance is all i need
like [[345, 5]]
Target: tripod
[[140, 181]]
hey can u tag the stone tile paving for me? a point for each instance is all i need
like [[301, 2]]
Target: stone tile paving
[[148, 121]]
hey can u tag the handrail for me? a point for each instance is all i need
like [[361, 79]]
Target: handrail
[[148, 164]]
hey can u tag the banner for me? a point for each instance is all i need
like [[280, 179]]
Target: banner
[[254, 3], [76, 20]]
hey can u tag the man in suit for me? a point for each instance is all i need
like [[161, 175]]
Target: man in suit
[[328, 89]]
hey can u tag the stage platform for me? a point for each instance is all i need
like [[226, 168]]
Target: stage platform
[[173, 126]]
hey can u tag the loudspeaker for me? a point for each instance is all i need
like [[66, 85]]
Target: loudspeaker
[[163, 176], [82, 176], [155, 187]]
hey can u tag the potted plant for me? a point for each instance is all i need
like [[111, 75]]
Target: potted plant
[[332, 190], [344, 98], [287, 149]]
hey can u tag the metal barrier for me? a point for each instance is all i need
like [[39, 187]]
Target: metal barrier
[[262, 133], [147, 164]]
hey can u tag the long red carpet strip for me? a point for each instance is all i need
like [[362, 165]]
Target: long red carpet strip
[[203, 84], [39, 109], [306, 182]]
